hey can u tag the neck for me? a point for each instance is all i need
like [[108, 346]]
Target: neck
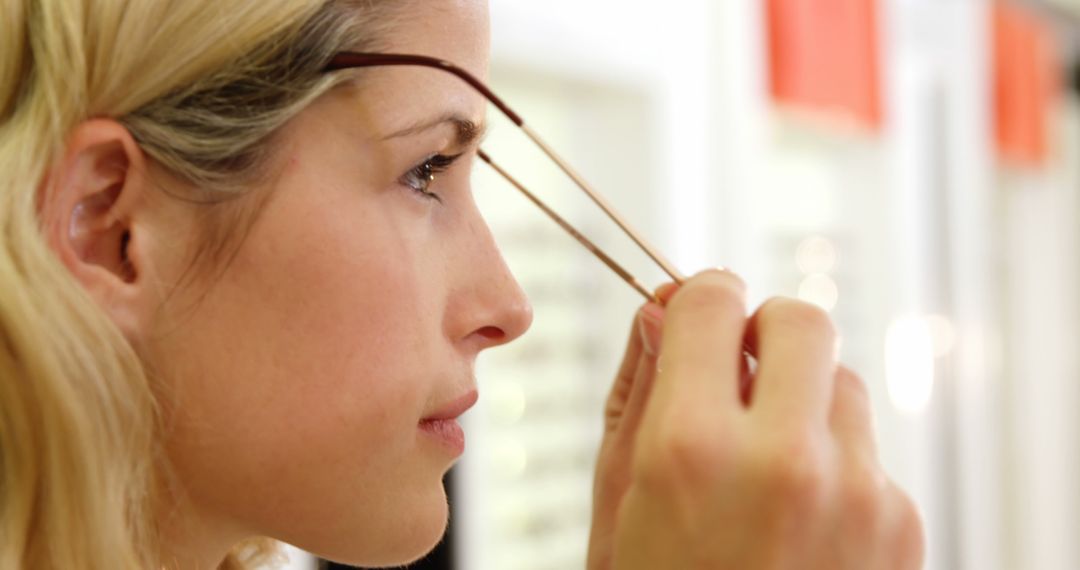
[[192, 539]]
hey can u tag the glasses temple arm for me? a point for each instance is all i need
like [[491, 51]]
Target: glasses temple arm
[[604, 205], [589, 245], [346, 60]]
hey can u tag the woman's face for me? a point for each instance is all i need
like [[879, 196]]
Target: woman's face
[[353, 311]]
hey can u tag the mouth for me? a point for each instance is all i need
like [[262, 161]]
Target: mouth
[[443, 427], [453, 409]]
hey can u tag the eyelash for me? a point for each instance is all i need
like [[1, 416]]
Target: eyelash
[[420, 178]]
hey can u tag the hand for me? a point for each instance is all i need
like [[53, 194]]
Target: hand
[[705, 465], [622, 416]]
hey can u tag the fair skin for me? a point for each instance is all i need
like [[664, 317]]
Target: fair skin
[[355, 308]]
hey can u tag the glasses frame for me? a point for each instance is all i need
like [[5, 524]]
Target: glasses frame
[[357, 60]]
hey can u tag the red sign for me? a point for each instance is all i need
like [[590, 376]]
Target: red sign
[[824, 56], [1026, 84]]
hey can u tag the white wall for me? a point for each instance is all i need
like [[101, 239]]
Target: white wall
[[922, 224]]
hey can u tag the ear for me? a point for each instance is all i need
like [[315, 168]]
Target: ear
[[92, 204]]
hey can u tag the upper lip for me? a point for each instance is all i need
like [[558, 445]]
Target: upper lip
[[454, 408]]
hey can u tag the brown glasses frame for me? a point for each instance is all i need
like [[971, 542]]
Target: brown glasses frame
[[354, 60]]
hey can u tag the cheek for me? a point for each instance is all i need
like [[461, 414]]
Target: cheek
[[325, 322], [306, 366]]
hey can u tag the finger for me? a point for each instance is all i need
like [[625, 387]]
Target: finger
[[644, 377], [702, 337], [908, 539], [624, 378], [851, 418], [795, 344], [621, 436]]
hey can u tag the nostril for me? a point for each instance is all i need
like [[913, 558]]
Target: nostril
[[492, 333]]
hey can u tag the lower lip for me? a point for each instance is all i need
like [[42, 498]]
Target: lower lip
[[447, 432]]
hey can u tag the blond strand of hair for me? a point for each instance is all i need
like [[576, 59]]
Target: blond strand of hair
[[79, 423]]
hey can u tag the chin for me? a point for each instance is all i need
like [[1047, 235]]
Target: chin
[[429, 536], [414, 535]]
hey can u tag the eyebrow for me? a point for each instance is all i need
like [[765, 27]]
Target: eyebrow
[[467, 131]]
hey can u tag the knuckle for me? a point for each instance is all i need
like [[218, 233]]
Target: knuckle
[[792, 313], [795, 472], [681, 458], [863, 499]]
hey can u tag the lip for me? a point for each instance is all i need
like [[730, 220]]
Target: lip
[[452, 410], [443, 426]]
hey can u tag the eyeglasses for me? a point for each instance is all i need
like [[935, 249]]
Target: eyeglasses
[[352, 60]]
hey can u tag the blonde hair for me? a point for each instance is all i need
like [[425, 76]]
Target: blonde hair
[[202, 85]]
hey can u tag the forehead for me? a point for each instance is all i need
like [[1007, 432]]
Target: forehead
[[453, 30]]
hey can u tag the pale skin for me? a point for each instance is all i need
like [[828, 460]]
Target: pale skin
[[356, 307]]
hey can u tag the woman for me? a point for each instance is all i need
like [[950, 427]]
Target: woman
[[222, 265]]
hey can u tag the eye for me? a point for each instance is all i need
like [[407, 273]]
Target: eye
[[420, 178]]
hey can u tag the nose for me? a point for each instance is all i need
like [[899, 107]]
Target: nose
[[490, 307]]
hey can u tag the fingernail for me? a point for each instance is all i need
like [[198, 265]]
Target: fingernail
[[651, 323]]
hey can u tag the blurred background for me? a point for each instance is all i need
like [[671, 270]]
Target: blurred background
[[912, 166]]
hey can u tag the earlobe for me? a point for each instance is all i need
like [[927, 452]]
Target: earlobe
[[90, 208]]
